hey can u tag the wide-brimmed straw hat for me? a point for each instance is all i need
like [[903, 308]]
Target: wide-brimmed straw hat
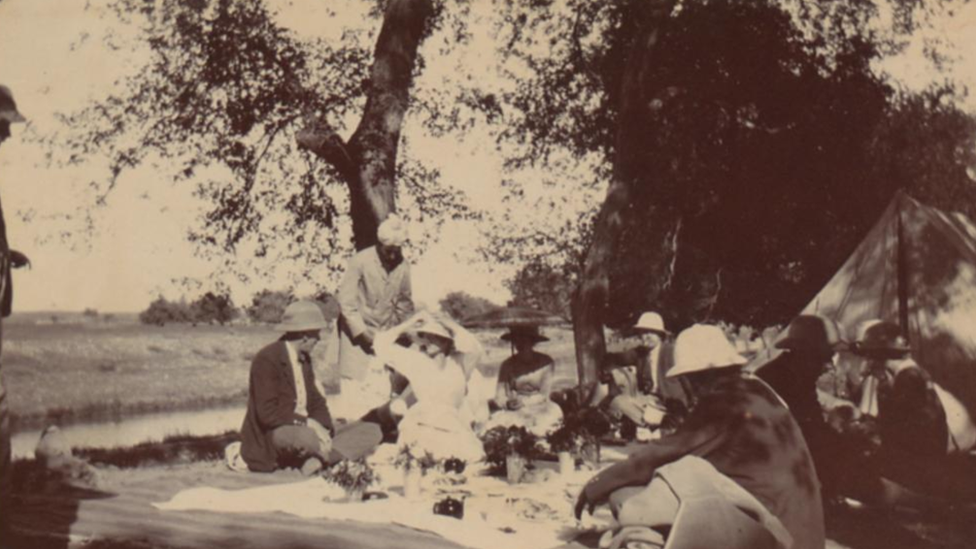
[[703, 347], [303, 316], [524, 332], [437, 329], [812, 333], [880, 339], [649, 322]]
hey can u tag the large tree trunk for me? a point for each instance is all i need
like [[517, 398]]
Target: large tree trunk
[[590, 301], [367, 163]]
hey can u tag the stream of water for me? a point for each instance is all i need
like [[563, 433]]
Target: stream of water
[[136, 430]]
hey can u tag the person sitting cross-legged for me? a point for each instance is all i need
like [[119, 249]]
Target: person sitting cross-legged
[[739, 449], [288, 423], [438, 357], [524, 384]]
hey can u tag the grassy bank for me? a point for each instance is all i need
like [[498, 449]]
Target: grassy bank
[[87, 371], [76, 371]]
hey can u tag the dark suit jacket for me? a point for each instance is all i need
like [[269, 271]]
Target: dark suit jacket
[[741, 428], [640, 356], [271, 404]]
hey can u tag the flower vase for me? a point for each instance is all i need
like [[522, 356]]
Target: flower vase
[[411, 483], [514, 468], [591, 453], [567, 464]]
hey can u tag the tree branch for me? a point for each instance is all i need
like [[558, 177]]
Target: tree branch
[[319, 138]]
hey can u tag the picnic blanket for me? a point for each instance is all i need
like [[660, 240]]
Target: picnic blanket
[[534, 515]]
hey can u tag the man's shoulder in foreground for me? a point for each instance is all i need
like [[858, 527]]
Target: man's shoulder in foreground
[[270, 352]]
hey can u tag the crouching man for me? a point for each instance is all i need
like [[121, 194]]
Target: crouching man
[[739, 456], [288, 422]]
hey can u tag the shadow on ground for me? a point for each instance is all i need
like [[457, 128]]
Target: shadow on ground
[[867, 528]]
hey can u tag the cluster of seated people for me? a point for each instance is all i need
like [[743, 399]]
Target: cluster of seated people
[[746, 456]]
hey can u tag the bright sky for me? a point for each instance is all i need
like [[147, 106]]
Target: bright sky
[[52, 56]]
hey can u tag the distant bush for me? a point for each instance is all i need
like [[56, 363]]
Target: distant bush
[[461, 305], [90, 313], [211, 308], [163, 311], [538, 285], [268, 306]]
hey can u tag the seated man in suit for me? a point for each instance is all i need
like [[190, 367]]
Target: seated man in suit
[[638, 389], [288, 422]]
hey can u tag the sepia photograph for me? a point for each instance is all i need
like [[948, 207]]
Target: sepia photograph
[[488, 274]]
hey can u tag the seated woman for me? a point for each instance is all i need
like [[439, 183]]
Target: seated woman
[[438, 361], [524, 383]]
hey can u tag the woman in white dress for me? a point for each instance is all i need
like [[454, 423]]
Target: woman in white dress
[[439, 362]]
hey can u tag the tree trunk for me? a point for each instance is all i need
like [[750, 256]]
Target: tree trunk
[[367, 163], [590, 301]]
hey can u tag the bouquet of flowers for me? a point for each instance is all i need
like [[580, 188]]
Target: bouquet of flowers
[[406, 461], [353, 476], [501, 442]]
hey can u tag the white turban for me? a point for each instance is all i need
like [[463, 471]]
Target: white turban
[[392, 231]]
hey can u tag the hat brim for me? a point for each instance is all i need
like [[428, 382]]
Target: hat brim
[[442, 335], [12, 117], [680, 370], [800, 344], [534, 337], [302, 327], [879, 352], [638, 330]]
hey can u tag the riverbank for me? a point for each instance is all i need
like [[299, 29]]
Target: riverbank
[[107, 371]]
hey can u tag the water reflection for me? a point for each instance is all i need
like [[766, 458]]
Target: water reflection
[[135, 430]]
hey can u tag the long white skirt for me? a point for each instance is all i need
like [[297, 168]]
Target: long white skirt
[[441, 430]]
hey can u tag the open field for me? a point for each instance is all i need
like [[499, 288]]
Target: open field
[[80, 370]]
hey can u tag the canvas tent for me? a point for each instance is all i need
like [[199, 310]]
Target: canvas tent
[[917, 267]]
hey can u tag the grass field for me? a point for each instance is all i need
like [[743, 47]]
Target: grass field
[[83, 369]]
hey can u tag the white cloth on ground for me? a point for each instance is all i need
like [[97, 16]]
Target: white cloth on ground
[[317, 499]]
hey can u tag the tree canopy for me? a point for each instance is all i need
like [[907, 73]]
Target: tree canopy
[[744, 147], [762, 146]]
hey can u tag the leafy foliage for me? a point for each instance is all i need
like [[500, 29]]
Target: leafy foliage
[[211, 308], [268, 306], [351, 475], [501, 441], [461, 305], [406, 460], [762, 147], [162, 311], [221, 104], [540, 286]]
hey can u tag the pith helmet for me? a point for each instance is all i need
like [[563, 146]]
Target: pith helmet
[[703, 347], [650, 322], [303, 316]]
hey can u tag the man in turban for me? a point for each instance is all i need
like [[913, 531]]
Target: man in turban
[[374, 295]]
